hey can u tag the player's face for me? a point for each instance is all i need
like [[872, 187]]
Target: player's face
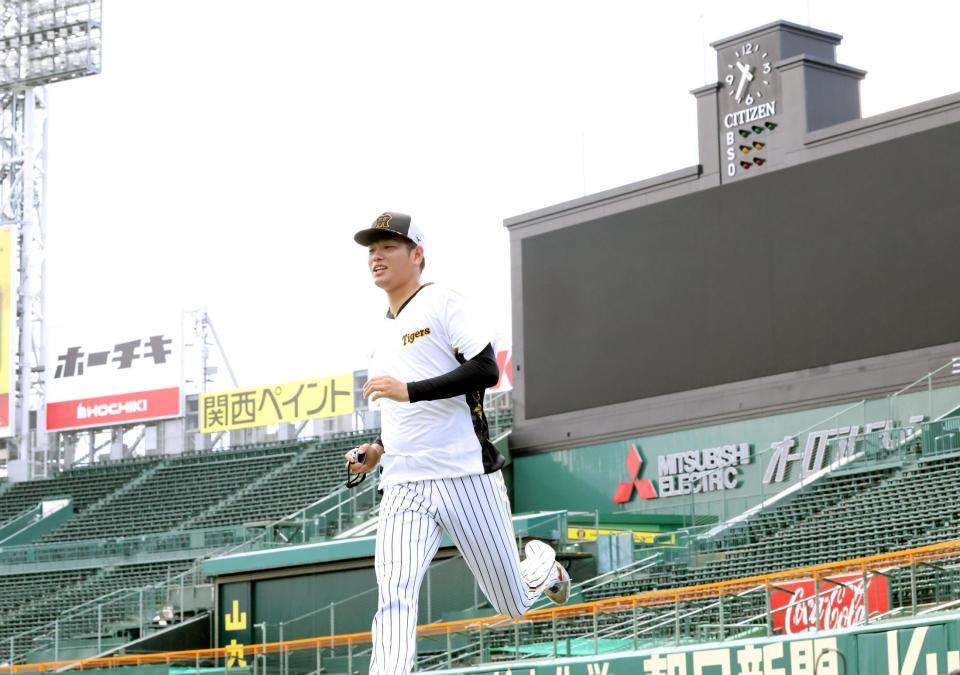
[[393, 263]]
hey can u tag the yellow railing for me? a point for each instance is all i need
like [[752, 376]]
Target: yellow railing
[[884, 561]]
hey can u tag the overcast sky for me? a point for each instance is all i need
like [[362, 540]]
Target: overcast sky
[[230, 148]]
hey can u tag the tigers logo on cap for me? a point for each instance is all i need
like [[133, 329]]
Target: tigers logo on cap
[[397, 224]]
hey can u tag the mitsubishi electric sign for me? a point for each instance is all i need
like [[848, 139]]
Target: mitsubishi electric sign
[[721, 468], [125, 374], [684, 473], [708, 470]]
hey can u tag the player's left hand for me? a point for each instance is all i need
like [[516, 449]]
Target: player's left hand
[[385, 386]]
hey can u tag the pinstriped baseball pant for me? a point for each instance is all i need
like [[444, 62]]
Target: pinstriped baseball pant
[[475, 512]]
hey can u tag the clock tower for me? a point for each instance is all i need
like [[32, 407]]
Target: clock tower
[[775, 84]]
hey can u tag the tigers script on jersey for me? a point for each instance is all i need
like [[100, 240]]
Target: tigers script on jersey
[[428, 439]]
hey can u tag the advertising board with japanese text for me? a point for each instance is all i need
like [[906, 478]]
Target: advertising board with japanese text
[[930, 648], [327, 396], [100, 375]]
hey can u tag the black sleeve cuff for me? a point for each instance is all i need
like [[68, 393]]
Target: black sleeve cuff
[[476, 374]]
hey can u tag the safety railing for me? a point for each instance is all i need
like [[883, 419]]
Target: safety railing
[[437, 581], [941, 436], [324, 619], [872, 449], [877, 443], [131, 608], [724, 510], [935, 405], [440, 578], [88, 619], [343, 509], [19, 522], [851, 439], [931, 398], [326, 517], [125, 547], [135, 606], [666, 617]]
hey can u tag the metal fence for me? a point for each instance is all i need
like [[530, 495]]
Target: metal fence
[[927, 582]]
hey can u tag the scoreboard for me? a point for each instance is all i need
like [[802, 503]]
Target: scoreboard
[[806, 242]]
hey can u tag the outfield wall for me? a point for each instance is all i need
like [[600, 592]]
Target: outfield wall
[[587, 477], [916, 647]]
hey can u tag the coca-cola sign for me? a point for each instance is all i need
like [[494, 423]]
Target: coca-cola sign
[[794, 603]]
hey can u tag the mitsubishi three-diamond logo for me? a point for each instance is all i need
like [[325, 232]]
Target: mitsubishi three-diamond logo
[[644, 487]]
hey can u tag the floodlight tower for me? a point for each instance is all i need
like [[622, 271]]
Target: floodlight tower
[[41, 42]]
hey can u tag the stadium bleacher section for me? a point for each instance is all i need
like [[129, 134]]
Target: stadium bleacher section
[[173, 493], [38, 599], [843, 516], [906, 496], [16, 590], [86, 485], [312, 474], [131, 499]]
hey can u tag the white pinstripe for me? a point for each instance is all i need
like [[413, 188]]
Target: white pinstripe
[[475, 512]]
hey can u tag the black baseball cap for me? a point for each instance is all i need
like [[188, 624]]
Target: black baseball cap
[[399, 224]]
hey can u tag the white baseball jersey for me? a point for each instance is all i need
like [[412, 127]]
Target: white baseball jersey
[[432, 334], [435, 479]]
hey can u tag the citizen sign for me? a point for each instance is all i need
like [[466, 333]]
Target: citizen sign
[[757, 112]]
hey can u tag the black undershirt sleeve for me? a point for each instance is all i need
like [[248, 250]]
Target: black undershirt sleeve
[[478, 373]]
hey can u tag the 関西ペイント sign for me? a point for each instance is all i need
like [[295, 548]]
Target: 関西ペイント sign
[[326, 396]]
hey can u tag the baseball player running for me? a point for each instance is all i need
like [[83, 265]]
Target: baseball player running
[[439, 470]]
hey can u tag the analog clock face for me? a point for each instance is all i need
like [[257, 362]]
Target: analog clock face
[[748, 72]]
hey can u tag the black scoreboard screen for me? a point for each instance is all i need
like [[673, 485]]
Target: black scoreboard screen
[[842, 258]]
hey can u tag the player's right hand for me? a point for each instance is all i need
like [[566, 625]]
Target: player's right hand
[[371, 457]]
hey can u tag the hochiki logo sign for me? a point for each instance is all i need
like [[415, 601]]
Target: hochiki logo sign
[[684, 473], [103, 375]]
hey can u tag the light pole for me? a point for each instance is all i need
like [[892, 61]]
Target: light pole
[[41, 42]]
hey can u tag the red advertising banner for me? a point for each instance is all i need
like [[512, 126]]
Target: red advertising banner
[[794, 603], [105, 410], [103, 373], [505, 365]]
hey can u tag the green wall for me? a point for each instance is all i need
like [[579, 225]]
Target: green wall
[[930, 647], [585, 478], [448, 587]]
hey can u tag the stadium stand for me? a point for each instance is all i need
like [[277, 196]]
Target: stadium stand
[[862, 511], [61, 594], [905, 496], [177, 490], [315, 472], [86, 485], [138, 497], [901, 497], [16, 590]]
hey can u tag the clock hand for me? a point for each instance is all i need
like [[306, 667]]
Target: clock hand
[[746, 75]]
